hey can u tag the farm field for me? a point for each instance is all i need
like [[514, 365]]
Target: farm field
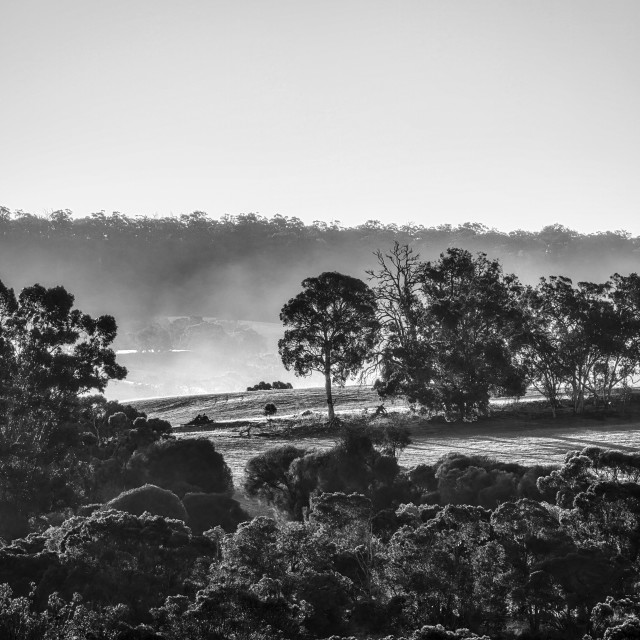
[[513, 437]]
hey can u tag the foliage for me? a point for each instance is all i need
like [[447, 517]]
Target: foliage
[[182, 466], [330, 327], [547, 570], [113, 557], [476, 318], [405, 353], [583, 340], [266, 476], [451, 330], [134, 257], [151, 499], [460, 479], [267, 386], [209, 510], [287, 476], [49, 354]]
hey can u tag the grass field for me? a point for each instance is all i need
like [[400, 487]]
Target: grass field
[[516, 435], [249, 405]]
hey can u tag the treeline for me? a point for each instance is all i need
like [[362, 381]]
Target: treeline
[[449, 334], [243, 266]]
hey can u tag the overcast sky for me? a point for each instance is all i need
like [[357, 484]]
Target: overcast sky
[[516, 114]]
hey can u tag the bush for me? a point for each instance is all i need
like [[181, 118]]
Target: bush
[[267, 477], [476, 480], [270, 409], [157, 501], [209, 510], [261, 386], [117, 558], [266, 386], [281, 385], [183, 466], [287, 477]]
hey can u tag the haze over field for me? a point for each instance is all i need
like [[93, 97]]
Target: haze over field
[[207, 293]]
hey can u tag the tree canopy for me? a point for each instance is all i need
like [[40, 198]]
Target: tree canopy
[[50, 353], [451, 329]]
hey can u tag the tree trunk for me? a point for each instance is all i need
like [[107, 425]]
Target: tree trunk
[[327, 386]]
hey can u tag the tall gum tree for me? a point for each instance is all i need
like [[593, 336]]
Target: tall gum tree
[[331, 328], [50, 353]]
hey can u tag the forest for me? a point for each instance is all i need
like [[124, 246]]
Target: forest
[[113, 527], [244, 266]]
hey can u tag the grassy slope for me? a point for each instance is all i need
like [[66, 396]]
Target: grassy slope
[[248, 405]]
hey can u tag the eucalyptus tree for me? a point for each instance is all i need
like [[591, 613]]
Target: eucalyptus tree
[[331, 328], [478, 326], [404, 354], [50, 354], [452, 330], [584, 338]]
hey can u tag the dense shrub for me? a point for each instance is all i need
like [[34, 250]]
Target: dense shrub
[[261, 386], [209, 510], [287, 476], [477, 480], [266, 476], [267, 386], [115, 557], [151, 499], [183, 466], [281, 385]]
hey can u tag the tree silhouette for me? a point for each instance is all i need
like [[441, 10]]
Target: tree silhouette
[[50, 353], [331, 328]]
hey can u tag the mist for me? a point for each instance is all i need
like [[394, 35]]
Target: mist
[[233, 275]]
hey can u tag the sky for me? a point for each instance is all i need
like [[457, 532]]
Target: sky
[[511, 113]]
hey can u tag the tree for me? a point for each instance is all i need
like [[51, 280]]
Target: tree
[[618, 336], [332, 328], [584, 339], [451, 330], [50, 353], [405, 356], [267, 477], [477, 319]]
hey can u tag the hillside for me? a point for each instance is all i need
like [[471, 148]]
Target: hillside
[[248, 405]]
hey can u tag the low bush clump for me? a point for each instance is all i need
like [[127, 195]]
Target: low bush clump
[[209, 510], [151, 499], [182, 466], [268, 386]]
